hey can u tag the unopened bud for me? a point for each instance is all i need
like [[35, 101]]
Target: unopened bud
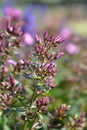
[[12, 80]]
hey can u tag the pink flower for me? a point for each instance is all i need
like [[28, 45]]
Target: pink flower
[[28, 39], [72, 48], [13, 12], [12, 62], [66, 33], [38, 39], [59, 55], [50, 82]]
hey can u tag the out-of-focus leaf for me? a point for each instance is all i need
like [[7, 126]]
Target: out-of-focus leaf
[[1, 122], [19, 109], [27, 76], [7, 112], [56, 124]]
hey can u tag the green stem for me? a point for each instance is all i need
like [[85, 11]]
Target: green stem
[[34, 119], [21, 102], [24, 128], [2, 74], [34, 96]]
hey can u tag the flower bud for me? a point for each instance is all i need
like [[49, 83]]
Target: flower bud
[[12, 80], [36, 49], [38, 39], [38, 103], [58, 39], [59, 55], [44, 101], [45, 35]]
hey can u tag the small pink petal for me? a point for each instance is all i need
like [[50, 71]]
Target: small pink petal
[[11, 62]]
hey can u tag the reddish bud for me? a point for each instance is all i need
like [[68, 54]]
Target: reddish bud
[[44, 101], [12, 80], [36, 49], [38, 39], [45, 35], [38, 103], [58, 39], [59, 55]]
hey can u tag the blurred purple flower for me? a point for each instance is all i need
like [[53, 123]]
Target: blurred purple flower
[[28, 39], [66, 33], [72, 48], [30, 17], [29, 22], [12, 12], [12, 62]]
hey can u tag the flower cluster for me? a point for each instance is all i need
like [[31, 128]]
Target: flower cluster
[[58, 116], [11, 91], [10, 36], [78, 122], [42, 104], [62, 111], [44, 69], [41, 69]]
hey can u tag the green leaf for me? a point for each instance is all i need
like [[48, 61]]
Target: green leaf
[[19, 109], [27, 76], [1, 122], [7, 112]]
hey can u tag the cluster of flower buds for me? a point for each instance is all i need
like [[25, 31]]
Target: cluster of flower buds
[[44, 68], [10, 35], [6, 100], [57, 118], [42, 104], [12, 90], [41, 107], [52, 41], [42, 51], [11, 86], [78, 123], [62, 111], [21, 65]]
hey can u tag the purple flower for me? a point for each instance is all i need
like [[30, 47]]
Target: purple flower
[[72, 48], [29, 21], [38, 39], [28, 39], [66, 33], [59, 55], [37, 49], [11, 62], [20, 89], [45, 35], [59, 39], [50, 82], [14, 13], [38, 103], [42, 102]]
